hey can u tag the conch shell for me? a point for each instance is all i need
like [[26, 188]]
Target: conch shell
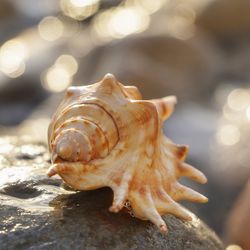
[[105, 135]]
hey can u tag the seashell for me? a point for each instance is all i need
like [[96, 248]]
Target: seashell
[[104, 135]]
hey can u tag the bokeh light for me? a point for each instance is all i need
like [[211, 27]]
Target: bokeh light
[[228, 135], [126, 21], [59, 76], [79, 9], [234, 247], [82, 3], [147, 5], [67, 62], [230, 149], [50, 28], [238, 99], [180, 24], [56, 79], [120, 22], [12, 58], [248, 112]]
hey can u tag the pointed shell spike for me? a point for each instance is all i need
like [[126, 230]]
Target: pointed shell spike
[[108, 77]]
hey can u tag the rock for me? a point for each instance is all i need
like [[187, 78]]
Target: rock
[[158, 65], [38, 213], [238, 223], [19, 98], [226, 19], [227, 22], [7, 10]]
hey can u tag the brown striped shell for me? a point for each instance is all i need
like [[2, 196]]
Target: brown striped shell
[[104, 135]]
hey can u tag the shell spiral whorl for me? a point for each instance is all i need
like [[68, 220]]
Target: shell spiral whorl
[[104, 135], [72, 145], [83, 132]]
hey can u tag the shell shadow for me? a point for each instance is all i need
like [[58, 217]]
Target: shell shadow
[[92, 208]]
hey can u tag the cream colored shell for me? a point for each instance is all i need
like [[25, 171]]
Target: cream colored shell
[[105, 135]]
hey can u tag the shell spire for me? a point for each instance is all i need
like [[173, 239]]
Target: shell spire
[[104, 134]]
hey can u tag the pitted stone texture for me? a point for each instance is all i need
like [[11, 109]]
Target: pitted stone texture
[[39, 213]]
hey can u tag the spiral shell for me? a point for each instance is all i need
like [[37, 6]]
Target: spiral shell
[[104, 135]]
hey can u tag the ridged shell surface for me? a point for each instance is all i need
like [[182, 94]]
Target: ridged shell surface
[[104, 135]]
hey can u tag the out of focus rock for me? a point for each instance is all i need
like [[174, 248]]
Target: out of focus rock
[[158, 65], [6, 10], [226, 19], [228, 22], [18, 99], [230, 155], [238, 223], [237, 65], [38, 213]]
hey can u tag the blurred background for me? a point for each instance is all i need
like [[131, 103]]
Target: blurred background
[[198, 50]]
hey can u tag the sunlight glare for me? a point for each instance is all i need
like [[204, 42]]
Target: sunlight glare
[[50, 28], [120, 22], [67, 62], [228, 135], [12, 56], [238, 99], [79, 9], [248, 112], [56, 79]]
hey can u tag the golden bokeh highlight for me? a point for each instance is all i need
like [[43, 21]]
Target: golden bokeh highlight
[[50, 28], [67, 62], [148, 5], [19, 71], [56, 79], [120, 22], [238, 99], [248, 112], [127, 21], [82, 3], [79, 9], [12, 58], [181, 24], [228, 135], [59, 76], [230, 115], [234, 247]]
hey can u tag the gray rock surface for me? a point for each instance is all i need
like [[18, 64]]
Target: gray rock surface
[[41, 213], [226, 19], [158, 65]]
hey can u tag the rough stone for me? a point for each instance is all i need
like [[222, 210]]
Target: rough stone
[[158, 65], [238, 222], [226, 19], [41, 213]]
